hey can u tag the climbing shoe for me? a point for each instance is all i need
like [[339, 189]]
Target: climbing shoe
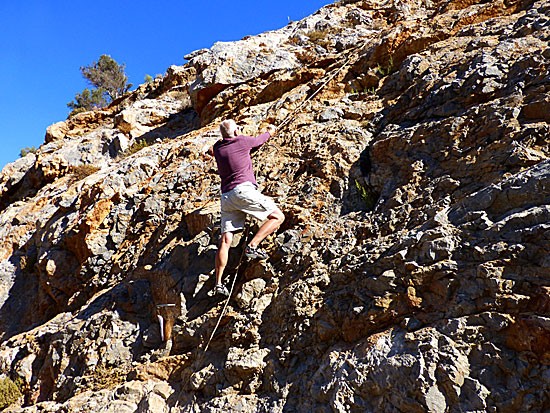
[[221, 289], [255, 253]]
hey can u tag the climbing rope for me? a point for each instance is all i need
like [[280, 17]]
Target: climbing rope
[[291, 116]]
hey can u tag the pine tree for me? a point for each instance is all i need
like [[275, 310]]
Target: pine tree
[[108, 79], [108, 75]]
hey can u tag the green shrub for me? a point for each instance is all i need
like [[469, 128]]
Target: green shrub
[[87, 100], [27, 150], [370, 91], [368, 196], [386, 70], [77, 111], [136, 147], [380, 71], [9, 392], [107, 75]]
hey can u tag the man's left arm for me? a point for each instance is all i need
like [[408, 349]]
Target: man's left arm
[[261, 139]]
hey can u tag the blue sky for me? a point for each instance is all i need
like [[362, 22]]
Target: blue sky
[[43, 43]]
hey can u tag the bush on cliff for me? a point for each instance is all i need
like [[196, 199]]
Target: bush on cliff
[[136, 147], [87, 100], [25, 151], [9, 392]]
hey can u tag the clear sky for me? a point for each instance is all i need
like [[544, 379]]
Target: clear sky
[[43, 43]]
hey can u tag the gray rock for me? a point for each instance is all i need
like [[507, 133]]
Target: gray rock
[[413, 67], [474, 395], [245, 362], [152, 403], [195, 54], [331, 114], [250, 290]]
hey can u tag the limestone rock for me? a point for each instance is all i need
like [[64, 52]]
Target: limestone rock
[[228, 63], [245, 365], [56, 131], [331, 114], [250, 290]]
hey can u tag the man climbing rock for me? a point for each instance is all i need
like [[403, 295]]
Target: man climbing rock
[[240, 196]]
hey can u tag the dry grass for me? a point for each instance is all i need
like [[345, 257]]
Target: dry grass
[[82, 171], [294, 40], [104, 377], [306, 57], [108, 377], [320, 37]]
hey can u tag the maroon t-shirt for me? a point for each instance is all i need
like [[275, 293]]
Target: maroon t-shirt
[[233, 159]]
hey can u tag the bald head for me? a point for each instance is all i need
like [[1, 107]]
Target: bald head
[[228, 128]]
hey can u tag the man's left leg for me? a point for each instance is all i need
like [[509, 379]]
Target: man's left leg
[[274, 221], [222, 257]]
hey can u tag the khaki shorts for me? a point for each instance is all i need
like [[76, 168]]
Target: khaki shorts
[[242, 200]]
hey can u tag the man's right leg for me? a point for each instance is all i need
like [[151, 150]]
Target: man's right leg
[[223, 255]]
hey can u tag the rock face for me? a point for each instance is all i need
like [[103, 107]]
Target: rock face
[[411, 273]]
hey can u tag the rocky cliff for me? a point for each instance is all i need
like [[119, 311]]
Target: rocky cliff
[[412, 272]]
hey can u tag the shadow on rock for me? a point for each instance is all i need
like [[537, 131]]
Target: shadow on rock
[[358, 194]]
